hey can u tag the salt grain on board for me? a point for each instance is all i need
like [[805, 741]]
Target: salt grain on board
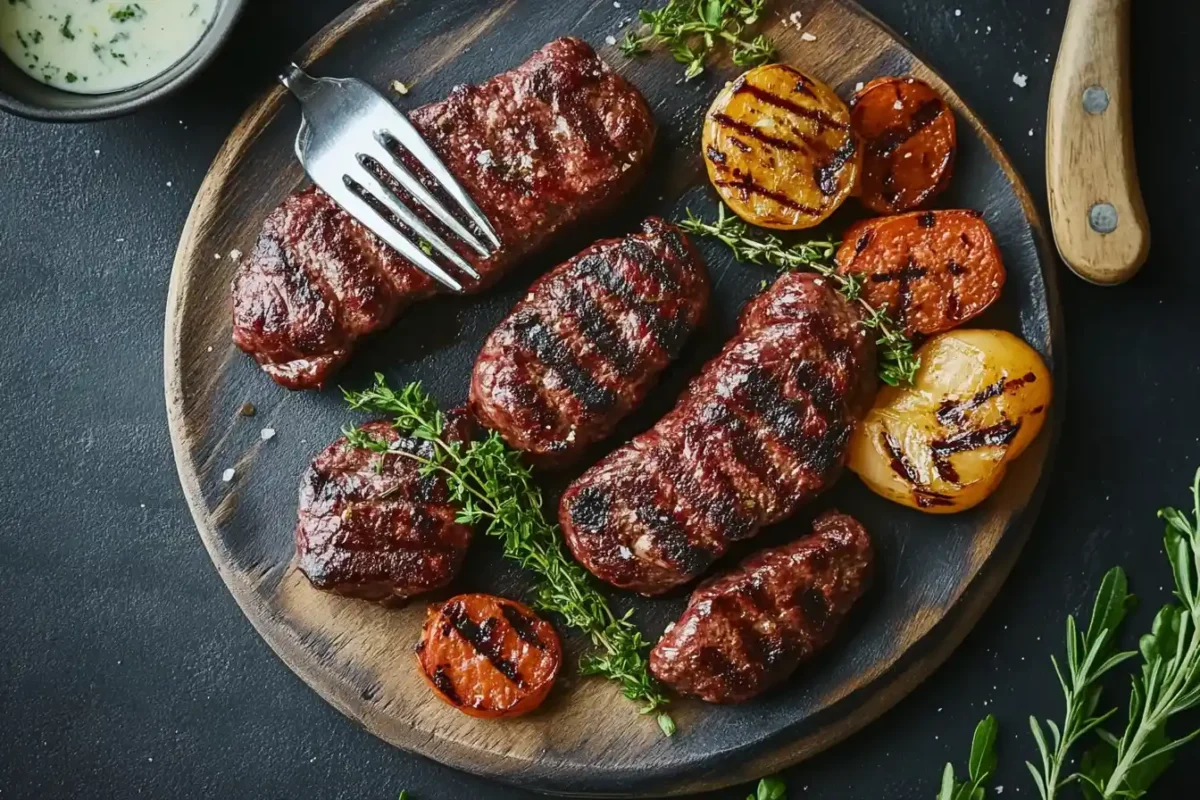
[[227, 475], [610, 40], [808, 37], [267, 434], [1020, 80]]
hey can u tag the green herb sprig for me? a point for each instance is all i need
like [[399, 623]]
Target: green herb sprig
[[690, 29], [769, 789], [1090, 655], [1169, 681], [491, 486], [979, 768], [898, 362]]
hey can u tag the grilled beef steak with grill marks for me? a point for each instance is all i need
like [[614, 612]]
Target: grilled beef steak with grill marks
[[588, 342], [559, 138], [748, 629], [372, 527], [758, 433]]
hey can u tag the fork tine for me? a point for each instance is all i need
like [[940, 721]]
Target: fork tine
[[373, 221], [384, 194], [413, 186], [411, 140]]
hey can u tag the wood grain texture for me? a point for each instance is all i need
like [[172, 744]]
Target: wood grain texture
[[935, 575], [1089, 154]]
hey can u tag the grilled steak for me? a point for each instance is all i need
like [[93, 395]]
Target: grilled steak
[[758, 433], [372, 527], [748, 629], [588, 342], [559, 138]]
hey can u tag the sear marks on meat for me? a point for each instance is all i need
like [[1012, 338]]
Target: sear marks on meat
[[758, 433], [557, 139], [372, 527], [747, 630], [588, 342]]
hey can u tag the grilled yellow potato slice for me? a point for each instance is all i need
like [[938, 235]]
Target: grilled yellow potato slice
[[779, 148], [943, 444]]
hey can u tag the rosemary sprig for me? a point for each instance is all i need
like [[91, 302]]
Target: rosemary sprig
[[1169, 681], [898, 363], [689, 29], [1090, 655], [979, 768], [491, 486]]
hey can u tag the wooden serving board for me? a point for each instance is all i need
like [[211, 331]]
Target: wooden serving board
[[935, 576]]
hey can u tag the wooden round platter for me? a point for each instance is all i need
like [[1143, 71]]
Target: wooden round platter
[[935, 575]]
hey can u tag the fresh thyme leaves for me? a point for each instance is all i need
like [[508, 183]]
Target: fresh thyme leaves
[[492, 487], [898, 363], [1090, 655], [769, 789], [689, 29], [1169, 681], [979, 768]]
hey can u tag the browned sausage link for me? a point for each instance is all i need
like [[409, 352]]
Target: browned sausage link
[[760, 431], [588, 341], [747, 630]]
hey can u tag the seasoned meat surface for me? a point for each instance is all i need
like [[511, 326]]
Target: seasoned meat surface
[[588, 342], [557, 139], [758, 433], [372, 527], [748, 629]]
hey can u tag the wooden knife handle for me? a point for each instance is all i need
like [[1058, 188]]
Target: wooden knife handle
[[1096, 207]]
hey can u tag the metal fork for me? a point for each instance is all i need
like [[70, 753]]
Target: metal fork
[[346, 122]]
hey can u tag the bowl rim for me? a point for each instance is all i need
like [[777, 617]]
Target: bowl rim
[[129, 100]]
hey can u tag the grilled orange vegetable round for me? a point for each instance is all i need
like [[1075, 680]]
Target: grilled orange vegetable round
[[930, 270], [779, 148], [908, 138], [943, 444], [488, 656]]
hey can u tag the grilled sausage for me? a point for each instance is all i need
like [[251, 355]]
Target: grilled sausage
[[488, 656], [757, 434], [555, 140], [747, 630], [372, 526], [588, 342]]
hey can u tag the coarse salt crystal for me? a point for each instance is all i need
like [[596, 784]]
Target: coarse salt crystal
[[1019, 79], [610, 39], [168, 184], [216, 256], [808, 37], [484, 158], [1031, 131], [794, 18], [97, 152], [958, 12], [267, 434], [616, 5], [858, 86], [228, 474], [399, 87], [908, 154], [625, 552], [898, 105], [235, 254]]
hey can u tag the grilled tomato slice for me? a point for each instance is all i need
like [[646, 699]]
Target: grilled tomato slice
[[909, 140], [930, 270], [779, 148], [488, 656], [943, 444]]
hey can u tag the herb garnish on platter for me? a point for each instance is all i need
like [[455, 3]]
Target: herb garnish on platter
[[898, 363], [492, 486], [1167, 685], [690, 29]]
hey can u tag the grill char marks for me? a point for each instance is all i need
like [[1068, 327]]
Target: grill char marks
[[316, 282], [761, 430], [747, 630], [371, 526], [587, 343]]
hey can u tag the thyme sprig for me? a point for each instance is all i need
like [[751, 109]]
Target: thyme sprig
[[690, 29], [492, 487], [898, 362]]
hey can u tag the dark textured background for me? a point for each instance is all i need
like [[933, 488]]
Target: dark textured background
[[126, 669]]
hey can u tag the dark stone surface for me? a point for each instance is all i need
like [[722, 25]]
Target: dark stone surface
[[128, 670]]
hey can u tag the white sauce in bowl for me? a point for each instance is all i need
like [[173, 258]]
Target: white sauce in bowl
[[98, 46]]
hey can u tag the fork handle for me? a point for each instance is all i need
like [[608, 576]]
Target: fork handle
[[298, 82]]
